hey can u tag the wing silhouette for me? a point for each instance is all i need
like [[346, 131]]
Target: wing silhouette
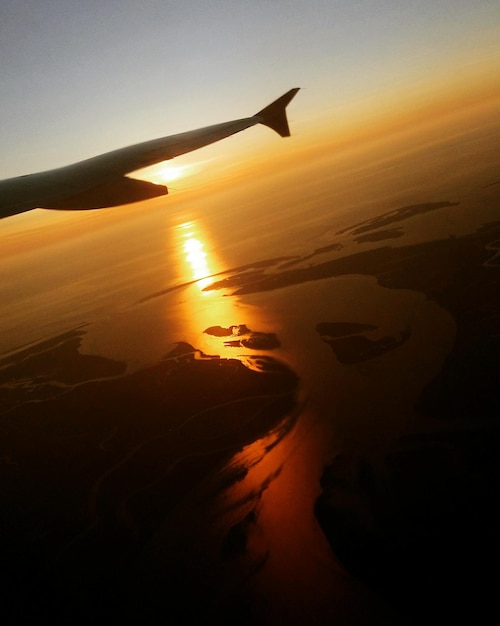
[[102, 181]]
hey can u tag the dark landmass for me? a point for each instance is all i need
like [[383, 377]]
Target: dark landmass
[[218, 331], [235, 330], [95, 463], [419, 523], [393, 267], [65, 364], [497, 182], [50, 367], [455, 272], [236, 541], [329, 248], [256, 341], [258, 266], [235, 280], [90, 476], [258, 280], [333, 247], [494, 260], [381, 235], [246, 338], [398, 215], [329, 330], [357, 348]]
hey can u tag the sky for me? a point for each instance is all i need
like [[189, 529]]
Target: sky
[[81, 78]]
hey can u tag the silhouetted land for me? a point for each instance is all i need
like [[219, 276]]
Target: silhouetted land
[[332, 330], [96, 459], [255, 267], [458, 273], [50, 367], [355, 348], [381, 235], [398, 215], [95, 463], [418, 521], [242, 337]]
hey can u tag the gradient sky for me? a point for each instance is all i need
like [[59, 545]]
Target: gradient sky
[[81, 78]]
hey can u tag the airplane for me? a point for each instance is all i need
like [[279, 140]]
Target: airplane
[[101, 181]]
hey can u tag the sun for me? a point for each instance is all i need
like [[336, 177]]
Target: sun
[[161, 173], [168, 173]]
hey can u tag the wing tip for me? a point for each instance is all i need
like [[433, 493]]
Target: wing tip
[[274, 114]]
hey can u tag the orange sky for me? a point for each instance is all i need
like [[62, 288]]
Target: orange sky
[[258, 154]]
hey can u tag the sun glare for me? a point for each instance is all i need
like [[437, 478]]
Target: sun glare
[[162, 173], [195, 256], [168, 173]]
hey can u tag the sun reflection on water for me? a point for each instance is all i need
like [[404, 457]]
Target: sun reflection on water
[[198, 262], [262, 463], [195, 258]]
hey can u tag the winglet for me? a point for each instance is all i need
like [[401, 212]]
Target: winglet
[[274, 115]]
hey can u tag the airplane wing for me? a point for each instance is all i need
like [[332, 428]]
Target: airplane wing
[[102, 181]]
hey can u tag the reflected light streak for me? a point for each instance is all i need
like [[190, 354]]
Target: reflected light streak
[[198, 263], [195, 256]]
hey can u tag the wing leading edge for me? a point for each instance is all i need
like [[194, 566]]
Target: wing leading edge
[[101, 181]]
